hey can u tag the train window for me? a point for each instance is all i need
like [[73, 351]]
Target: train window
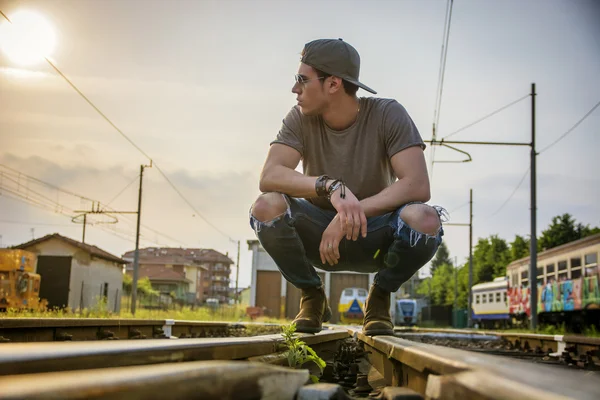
[[524, 275], [483, 298], [505, 297], [591, 260], [491, 297], [348, 292], [498, 297], [540, 271], [362, 292], [576, 273], [550, 269], [575, 262], [476, 299], [540, 280], [562, 265]]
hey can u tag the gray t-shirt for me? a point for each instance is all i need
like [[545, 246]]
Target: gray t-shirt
[[360, 154]]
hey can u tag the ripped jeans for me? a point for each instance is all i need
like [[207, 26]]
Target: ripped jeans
[[392, 248]]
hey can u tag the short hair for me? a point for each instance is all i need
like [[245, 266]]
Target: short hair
[[349, 88]]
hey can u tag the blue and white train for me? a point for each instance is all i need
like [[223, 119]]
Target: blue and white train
[[490, 304]]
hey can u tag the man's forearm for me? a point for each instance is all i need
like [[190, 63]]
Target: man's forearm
[[400, 192], [282, 179]]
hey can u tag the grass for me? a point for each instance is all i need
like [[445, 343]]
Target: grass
[[224, 313]]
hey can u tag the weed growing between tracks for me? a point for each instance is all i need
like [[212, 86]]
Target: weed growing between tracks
[[299, 353]]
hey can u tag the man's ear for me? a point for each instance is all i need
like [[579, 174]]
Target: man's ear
[[335, 84]]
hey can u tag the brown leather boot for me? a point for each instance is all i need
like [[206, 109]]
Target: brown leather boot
[[314, 310], [377, 315]]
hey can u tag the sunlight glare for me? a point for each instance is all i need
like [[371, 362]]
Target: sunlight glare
[[29, 39]]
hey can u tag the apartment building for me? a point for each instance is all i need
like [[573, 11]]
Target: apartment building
[[199, 274]]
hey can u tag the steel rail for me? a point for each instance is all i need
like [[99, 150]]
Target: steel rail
[[441, 372], [28, 358]]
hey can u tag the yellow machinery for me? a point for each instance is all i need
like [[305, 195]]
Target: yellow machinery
[[19, 284]]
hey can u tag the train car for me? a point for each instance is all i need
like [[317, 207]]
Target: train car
[[19, 284], [490, 304], [568, 285], [352, 305], [407, 312]]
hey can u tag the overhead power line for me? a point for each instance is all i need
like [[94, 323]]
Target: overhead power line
[[114, 126], [512, 194], [561, 137], [484, 118], [30, 190], [441, 73]]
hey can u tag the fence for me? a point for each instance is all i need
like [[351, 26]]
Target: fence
[[99, 297]]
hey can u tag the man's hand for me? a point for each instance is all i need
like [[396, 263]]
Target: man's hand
[[330, 242], [352, 216]]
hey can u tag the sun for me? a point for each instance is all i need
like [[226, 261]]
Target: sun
[[29, 39]]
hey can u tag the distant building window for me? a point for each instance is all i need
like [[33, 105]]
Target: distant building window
[[591, 260]]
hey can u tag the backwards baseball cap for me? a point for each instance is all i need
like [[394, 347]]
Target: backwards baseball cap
[[335, 57]]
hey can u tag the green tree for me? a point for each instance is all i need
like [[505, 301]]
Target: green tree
[[490, 258], [442, 256], [519, 248], [564, 229], [439, 289], [144, 286]]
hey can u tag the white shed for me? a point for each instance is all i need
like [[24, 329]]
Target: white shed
[[75, 274]]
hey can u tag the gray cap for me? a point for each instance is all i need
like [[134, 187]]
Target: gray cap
[[335, 57]]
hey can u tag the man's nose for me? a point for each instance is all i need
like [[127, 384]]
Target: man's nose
[[296, 88]]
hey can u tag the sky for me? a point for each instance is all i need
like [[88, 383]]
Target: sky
[[202, 87]]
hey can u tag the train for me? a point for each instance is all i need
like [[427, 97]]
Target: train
[[19, 284], [568, 289], [408, 311], [352, 305]]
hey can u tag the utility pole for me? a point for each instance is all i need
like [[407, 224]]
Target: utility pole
[[455, 285], [470, 225], [470, 315], [136, 256], [533, 240], [237, 274], [533, 208], [84, 224]]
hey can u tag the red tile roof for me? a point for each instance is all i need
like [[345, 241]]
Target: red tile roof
[[178, 255], [156, 273]]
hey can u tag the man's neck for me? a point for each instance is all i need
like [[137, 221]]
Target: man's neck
[[342, 114]]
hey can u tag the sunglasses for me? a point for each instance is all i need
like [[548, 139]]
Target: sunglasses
[[303, 81]]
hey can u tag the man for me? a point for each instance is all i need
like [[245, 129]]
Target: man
[[346, 211]]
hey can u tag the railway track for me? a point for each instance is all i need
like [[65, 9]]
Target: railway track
[[572, 351], [252, 368]]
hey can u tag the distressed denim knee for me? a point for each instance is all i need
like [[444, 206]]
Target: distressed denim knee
[[409, 251], [281, 241]]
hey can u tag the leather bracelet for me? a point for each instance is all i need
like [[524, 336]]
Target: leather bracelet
[[321, 185], [333, 187]]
